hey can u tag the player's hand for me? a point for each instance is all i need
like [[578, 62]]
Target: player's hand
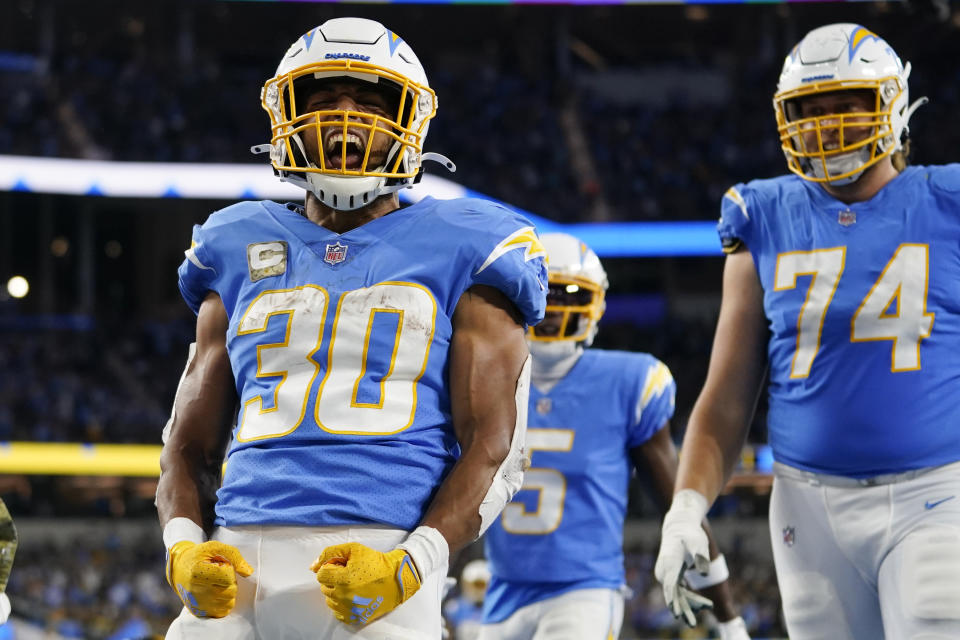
[[683, 543], [362, 584], [205, 576], [735, 629]]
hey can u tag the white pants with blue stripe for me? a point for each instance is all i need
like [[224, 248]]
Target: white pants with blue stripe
[[583, 614], [868, 559]]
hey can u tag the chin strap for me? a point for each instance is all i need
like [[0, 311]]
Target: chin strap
[[260, 148]]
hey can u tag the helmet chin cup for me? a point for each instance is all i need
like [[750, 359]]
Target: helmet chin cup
[[553, 352], [345, 194], [850, 165]]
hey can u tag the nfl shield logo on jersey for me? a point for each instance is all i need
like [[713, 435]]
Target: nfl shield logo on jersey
[[335, 253], [789, 536], [847, 217], [544, 405]]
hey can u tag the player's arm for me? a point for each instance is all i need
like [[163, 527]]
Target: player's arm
[[717, 428], [487, 356], [721, 416], [201, 572], [488, 382], [192, 456], [656, 459]]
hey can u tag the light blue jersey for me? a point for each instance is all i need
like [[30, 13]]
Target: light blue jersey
[[564, 528], [863, 305], [339, 346]]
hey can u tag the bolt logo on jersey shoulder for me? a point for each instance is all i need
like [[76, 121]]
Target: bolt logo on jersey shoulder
[[191, 255], [736, 198], [658, 380], [266, 259], [335, 253], [525, 238]]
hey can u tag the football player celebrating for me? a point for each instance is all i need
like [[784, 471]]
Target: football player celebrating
[[556, 552], [842, 279], [376, 356]]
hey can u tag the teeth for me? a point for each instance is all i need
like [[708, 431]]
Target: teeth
[[338, 138]]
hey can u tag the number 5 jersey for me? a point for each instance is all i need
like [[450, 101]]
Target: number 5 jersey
[[339, 346]]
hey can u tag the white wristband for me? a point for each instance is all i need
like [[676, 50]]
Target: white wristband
[[428, 549], [718, 573], [180, 529]]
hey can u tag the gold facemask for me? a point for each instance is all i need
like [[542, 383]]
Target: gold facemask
[[405, 130], [818, 164], [580, 303]]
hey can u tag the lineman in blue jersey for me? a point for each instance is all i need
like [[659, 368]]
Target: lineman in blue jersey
[[843, 280], [374, 356], [556, 552]]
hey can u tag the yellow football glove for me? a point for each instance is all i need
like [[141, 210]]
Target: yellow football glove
[[361, 584], [204, 576]]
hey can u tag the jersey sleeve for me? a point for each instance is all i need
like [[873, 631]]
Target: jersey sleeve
[[509, 256], [734, 226], [197, 273], [655, 402]]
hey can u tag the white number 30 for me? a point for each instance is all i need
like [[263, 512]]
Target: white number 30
[[894, 309], [405, 310]]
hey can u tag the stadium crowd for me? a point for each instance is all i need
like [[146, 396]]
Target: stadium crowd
[[656, 127]]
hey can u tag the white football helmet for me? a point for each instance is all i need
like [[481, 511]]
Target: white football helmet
[[474, 580], [839, 57], [350, 50], [577, 286]]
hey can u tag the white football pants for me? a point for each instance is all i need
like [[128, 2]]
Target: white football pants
[[282, 599], [584, 614], [868, 559]]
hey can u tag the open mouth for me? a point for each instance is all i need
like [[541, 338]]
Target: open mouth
[[344, 151]]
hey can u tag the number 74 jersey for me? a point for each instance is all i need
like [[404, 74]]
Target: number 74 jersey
[[863, 306], [339, 348]]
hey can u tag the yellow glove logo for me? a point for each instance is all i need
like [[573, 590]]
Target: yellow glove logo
[[204, 576], [361, 584]]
